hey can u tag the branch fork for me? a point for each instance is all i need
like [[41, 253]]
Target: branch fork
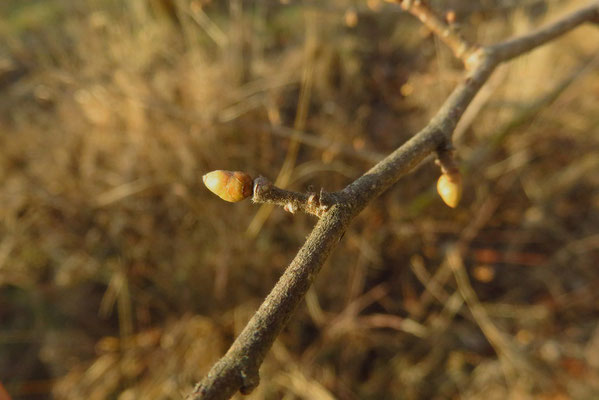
[[238, 369], [446, 161]]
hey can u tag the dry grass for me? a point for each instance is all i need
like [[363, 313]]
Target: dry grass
[[122, 277]]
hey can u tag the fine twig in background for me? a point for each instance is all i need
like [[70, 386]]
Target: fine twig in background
[[460, 47], [238, 369]]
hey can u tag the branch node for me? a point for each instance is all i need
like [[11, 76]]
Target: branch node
[[476, 56], [261, 186], [445, 159], [290, 208]]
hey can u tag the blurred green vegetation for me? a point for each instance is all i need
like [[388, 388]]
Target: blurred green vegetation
[[122, 277]]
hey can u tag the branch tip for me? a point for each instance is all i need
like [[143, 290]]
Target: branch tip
[[231, 186], [449, 185]]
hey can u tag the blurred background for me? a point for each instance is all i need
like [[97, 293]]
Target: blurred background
[[122, 277]]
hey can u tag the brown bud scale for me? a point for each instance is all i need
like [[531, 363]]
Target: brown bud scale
[[232, 186]]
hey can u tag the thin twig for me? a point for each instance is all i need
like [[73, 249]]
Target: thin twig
[[238, 368], [460, 47], [311, 203], [512, 48]]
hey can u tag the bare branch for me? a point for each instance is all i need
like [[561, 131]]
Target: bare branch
[[238, 368], [435, 136], [515, 47], [311, 203], [460, 47]]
